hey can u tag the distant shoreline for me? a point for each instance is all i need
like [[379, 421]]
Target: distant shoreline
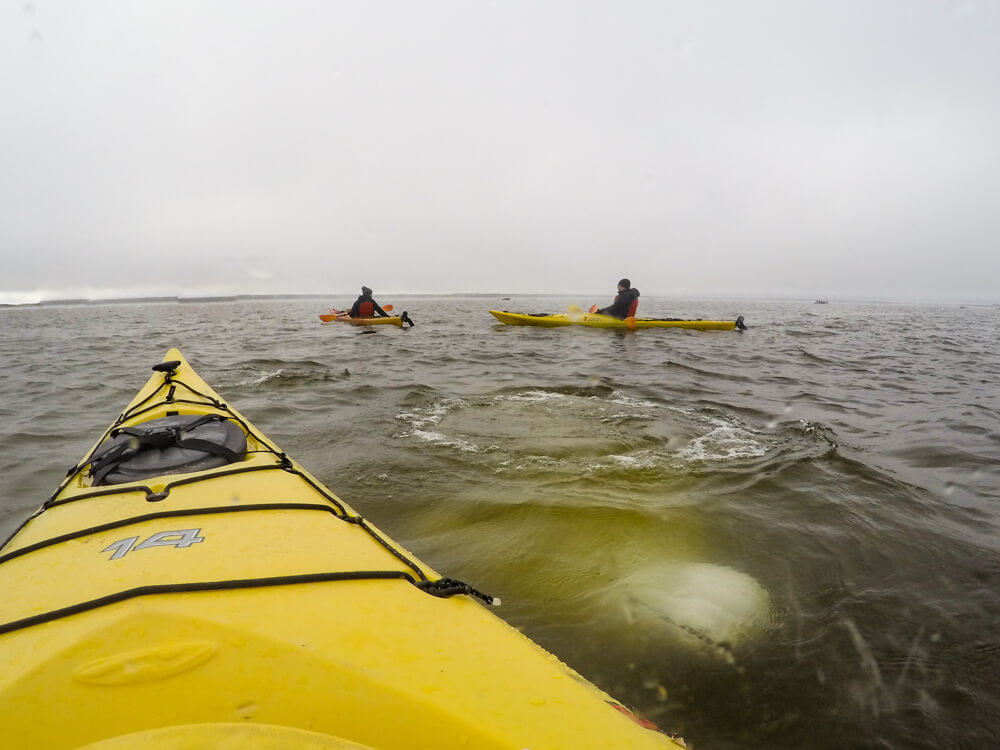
[[166, 300], [246, 297], [500, 296]]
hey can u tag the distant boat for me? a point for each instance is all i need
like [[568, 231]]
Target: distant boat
[[822, 301]]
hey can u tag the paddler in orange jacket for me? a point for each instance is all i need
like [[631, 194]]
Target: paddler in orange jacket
[[365, 307]]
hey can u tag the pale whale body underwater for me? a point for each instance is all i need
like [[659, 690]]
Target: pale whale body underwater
[[709, 604], [591, 511]]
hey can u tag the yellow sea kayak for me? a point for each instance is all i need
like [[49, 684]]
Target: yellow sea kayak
[[596, 320], [392, 320], [189, 586]]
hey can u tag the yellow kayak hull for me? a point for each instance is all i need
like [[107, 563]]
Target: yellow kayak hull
[[225, 736], [247, 606], [392, 320], [595, 320]]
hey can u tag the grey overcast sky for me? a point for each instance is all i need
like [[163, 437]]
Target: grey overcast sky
[[747, 148]]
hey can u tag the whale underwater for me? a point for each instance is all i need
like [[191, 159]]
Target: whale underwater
[[581, 508]]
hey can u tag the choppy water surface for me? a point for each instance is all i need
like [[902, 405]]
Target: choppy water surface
[[780, 538]]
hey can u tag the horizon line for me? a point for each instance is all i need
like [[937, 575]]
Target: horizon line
[[207, 298]]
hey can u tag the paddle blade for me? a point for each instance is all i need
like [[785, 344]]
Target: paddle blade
[[327, 318], [593, 309], [630, 322], [387, 308]]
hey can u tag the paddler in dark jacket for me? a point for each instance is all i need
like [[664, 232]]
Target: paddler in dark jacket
[[365, 307], [625, 304]]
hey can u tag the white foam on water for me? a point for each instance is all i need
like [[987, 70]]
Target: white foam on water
[[267, 376], [512, 422], [726, 440], [251, 382], [462, 445], [619, 397], [428, 436], [636, 461], [628, 461], [534, 463], [430, 416], [444, 441], [422, 424], [531, 397]]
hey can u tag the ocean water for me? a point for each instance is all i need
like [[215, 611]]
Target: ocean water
[[785, 537]]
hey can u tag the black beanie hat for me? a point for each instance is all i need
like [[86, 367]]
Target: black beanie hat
[[625, 283], [366, 290]]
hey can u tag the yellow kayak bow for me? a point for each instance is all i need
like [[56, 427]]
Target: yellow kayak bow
[[189, 586]]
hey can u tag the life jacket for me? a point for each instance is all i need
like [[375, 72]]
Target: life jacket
[[366, 309], [632, 308]]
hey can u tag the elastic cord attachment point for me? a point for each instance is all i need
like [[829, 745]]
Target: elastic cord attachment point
[[445, 587]]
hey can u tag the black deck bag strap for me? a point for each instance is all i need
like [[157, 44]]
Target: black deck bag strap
[[169, 445]]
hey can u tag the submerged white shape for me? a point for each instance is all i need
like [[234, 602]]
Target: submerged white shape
[[704, 603]]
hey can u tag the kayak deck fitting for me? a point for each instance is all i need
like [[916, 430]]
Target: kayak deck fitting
[[596, 320], [188, 587]]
